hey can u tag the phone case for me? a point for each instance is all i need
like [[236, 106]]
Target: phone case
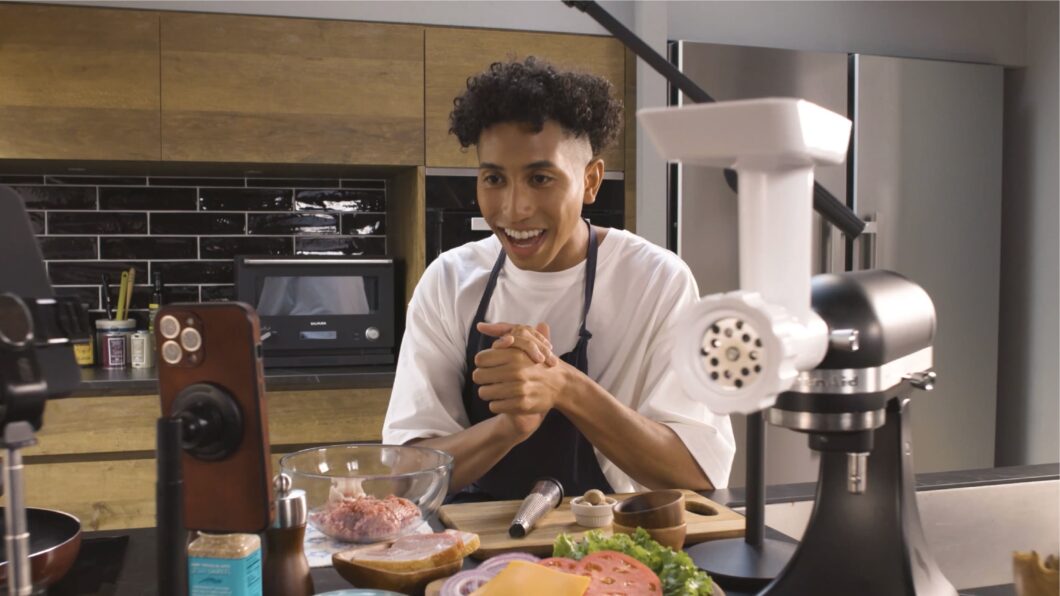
[[232, 493]]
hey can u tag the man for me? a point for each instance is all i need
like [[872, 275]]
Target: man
[[477, 375]]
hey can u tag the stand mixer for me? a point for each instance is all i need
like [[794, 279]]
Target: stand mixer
[[836, 357]]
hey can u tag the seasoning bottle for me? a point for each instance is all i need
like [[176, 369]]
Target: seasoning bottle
[[85, 353], [156, 302], [224, 565], [286, 567]]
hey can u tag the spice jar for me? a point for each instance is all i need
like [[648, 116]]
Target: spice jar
[[286, 567], [112, 342], [224, 565]]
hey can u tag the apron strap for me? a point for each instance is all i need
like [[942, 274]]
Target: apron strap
[[473, 335], [590, 282]]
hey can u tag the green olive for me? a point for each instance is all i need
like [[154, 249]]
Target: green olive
[[594, 497]]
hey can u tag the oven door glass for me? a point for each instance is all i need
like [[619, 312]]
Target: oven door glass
[[315, 295]]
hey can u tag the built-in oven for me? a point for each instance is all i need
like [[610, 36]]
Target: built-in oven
[[321, 311], [454, 219]]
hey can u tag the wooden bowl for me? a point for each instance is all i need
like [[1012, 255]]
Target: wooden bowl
[[655, 509], [405, 582], [673, 537]]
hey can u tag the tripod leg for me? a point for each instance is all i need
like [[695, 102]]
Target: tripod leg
[[169, 501]]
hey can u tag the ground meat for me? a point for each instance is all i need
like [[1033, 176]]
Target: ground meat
[[365, 518]]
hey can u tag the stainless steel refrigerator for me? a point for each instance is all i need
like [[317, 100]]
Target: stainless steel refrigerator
[[925, 167]]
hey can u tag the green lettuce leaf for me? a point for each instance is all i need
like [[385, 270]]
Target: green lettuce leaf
[[677, 573]]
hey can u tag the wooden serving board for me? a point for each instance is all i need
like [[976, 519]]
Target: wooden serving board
[[706, 520]]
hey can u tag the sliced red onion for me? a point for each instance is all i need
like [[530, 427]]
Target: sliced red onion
[[495, 564], [465, 582]]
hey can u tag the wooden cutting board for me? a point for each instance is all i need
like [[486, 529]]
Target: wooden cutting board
[[706, 520]]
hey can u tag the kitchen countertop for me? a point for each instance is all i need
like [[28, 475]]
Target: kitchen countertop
[[132, 381], [787, 493], [121, 563]]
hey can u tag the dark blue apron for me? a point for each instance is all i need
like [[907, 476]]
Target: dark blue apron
[[557, 448]]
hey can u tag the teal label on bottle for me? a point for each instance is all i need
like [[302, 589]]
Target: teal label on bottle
[[208, 576]]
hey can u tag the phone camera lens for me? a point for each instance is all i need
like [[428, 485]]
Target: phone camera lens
[[171, 352], [169, 326], [190, 339]]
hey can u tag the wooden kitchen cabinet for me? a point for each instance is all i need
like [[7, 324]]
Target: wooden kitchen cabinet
[[453, 55], [95, 457], [277, 90], [78, 83]]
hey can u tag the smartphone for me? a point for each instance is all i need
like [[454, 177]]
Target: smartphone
[[210, 374]]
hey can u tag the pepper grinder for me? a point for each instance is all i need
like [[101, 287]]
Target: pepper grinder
[[286, 569]]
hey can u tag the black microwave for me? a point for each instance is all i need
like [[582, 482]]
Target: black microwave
[[321, 311]]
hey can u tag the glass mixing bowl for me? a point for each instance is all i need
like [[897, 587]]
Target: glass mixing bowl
[[369, 493]]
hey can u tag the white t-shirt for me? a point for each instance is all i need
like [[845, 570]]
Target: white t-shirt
[[640, 290]]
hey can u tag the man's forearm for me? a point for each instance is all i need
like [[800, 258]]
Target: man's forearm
[[475, 450], [650, 452]]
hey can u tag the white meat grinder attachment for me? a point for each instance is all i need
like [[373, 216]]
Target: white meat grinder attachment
[[736, 351]]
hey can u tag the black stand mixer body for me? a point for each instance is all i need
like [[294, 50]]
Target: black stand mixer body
[[864, 536]]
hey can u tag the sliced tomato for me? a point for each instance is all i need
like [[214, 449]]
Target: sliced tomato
[[561, 563], [614, 574]]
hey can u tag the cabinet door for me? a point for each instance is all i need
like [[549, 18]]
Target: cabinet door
[[453, 55], [271, 90], [78, 83]]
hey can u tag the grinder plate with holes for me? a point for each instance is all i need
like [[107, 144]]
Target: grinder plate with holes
[[732, 352]]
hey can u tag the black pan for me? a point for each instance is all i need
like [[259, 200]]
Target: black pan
[[54, 540]]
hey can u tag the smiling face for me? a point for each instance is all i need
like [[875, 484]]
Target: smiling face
[[531, 188]]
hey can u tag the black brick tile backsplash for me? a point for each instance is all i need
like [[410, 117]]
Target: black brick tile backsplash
[[96, 180], [57, 197], [173, 181], [149, 247], [364, 224], [292, 223], [198, 223], [244, 199], [19, 179], [215, 293], [215, 247], [69, 247], [69, 222], [340, 245], [83, 273], [190, 272], [189, 228], [88, 295], [291, 182], [142, 295], [380, 184], [147, 199], [36, 219], [340, 200]]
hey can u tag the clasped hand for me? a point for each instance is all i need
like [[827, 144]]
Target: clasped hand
[[519, 375]]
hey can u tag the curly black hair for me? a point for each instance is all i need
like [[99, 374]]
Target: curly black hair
[[532, 91]]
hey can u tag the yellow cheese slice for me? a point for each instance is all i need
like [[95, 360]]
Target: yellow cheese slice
[[530, 579]]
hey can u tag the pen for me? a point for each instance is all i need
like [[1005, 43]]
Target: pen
[[106, 297]]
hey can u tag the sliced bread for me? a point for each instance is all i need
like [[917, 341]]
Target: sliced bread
[[409, 553]]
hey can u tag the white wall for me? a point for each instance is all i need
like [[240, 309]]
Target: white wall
[[1028, 404]]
